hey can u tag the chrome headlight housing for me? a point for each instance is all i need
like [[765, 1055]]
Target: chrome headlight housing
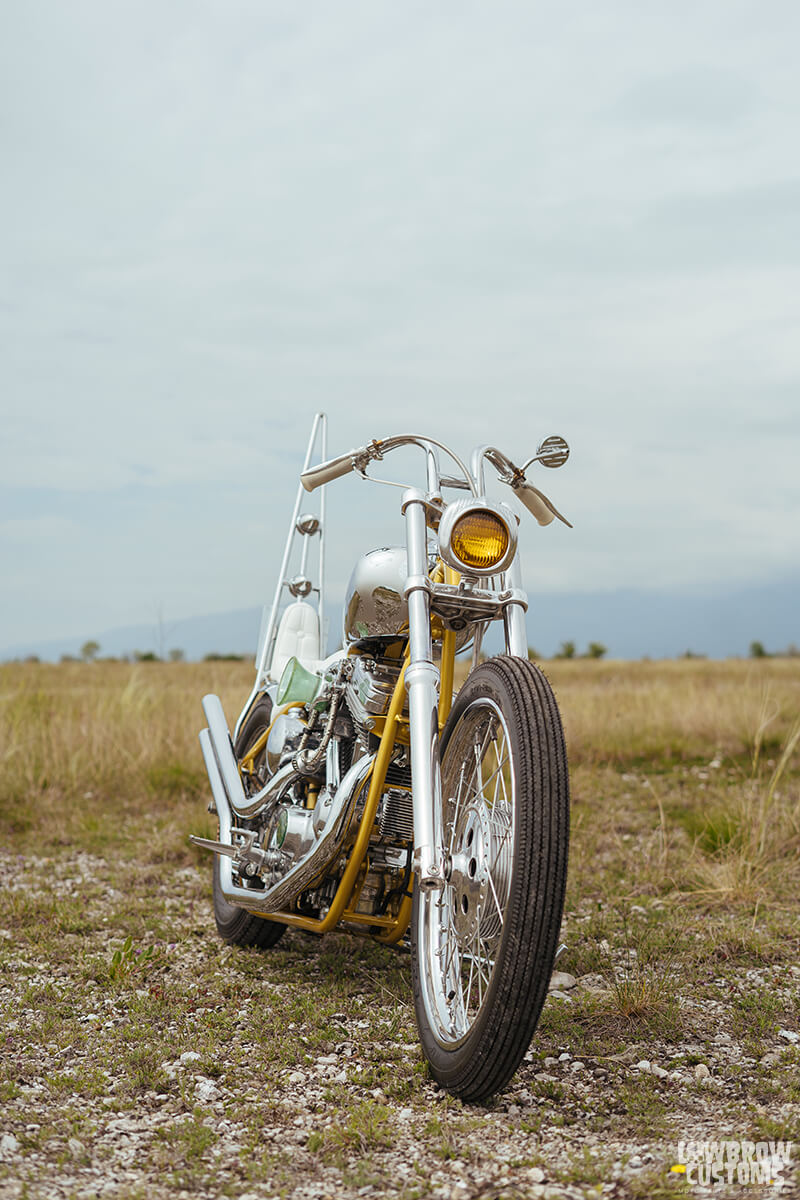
[[477, 537]]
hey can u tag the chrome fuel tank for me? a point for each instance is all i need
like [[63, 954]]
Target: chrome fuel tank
[[374, 603]]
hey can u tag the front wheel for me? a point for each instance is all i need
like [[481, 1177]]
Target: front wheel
[[483, 946]]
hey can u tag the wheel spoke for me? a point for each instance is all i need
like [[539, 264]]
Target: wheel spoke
[[469, 983], [480, 791], [458, 806], [494, 894]]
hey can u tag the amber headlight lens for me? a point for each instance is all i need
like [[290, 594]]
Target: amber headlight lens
[[479, 540]]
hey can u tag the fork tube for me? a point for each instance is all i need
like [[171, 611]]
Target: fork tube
[[422, 680], [514, 612]]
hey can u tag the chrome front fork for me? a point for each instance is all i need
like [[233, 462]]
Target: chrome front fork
[[422, 684]]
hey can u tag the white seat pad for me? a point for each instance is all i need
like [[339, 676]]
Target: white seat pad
[[297, 637]]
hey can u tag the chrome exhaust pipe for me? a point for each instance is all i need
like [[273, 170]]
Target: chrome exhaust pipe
[[222, 748], [217, 788], [227, 768], [309, 867]]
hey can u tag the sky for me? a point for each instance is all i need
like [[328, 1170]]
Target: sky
[[487, 222]]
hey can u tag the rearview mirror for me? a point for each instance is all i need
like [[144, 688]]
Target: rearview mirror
[[552, 452]]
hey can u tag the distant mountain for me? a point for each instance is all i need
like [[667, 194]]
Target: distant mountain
[[631, 623], [222, 633], [634, 624]]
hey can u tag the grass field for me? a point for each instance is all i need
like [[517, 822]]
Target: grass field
[[141, 1056]]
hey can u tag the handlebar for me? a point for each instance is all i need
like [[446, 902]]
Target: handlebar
[[359, 459], [324, 472], [532, 499], [537, 503]]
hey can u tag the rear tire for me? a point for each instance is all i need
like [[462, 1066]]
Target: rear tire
[[483, 947], [234, 924]]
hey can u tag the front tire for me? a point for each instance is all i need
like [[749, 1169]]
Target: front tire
[[234, 924], [483, 946]]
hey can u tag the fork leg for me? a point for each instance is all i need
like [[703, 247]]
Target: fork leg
[[422, 683]]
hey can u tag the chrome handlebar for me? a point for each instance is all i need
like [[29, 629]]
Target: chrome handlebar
[[324, 472], [541, 508]]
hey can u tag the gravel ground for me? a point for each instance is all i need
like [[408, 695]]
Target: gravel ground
[[200, 1070]]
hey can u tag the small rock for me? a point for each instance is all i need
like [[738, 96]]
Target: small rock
[[635, 1162], [627, 1056], [562, 979], [789, 1035], [578, 1066], [658, 1071], [565, 1057], [643, 1065], [8, 1145], [770, 1059], [190, 1056], [543, 1077], [550, 1061], [559, 995], [701, 1071], [296, 1077], [536, 1175], [406, 1114], [205, 1091], [75, 1147], [637, 908]]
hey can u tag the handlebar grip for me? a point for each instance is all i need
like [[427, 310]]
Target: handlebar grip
[[532, 498], [324, 472]]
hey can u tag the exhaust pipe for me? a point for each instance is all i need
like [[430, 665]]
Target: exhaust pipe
[[304, 872], [217, 789], [227, 770]]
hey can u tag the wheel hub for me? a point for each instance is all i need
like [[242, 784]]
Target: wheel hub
[[469, 870], [479, 872]]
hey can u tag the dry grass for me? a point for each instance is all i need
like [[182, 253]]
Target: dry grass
[[681, 907], [88, 749], [661, 713]]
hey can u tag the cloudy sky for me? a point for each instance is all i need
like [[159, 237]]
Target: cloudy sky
[[483, 221]]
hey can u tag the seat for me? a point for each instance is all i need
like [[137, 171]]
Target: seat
[[297, 637]]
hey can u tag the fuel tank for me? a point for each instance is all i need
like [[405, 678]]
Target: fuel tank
[[374, 603]]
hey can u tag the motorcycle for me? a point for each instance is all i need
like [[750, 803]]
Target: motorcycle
[[359, 793]]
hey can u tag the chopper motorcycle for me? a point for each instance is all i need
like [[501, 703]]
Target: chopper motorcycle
[[358, 793]]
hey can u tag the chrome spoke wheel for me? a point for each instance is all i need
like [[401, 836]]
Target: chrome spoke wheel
[[483, 945]]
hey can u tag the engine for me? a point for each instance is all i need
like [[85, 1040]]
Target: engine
[[314, 748], [368, 692]]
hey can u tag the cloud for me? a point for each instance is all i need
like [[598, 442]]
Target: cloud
[[486, 225], [690, 97], [28, 531]]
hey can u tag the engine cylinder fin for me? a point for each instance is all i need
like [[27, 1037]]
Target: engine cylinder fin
[[397, 816]]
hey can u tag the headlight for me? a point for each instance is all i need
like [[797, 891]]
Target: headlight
[[476, 537]]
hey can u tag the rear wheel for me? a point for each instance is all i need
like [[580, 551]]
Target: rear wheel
[[483, 946], [234, 925]]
